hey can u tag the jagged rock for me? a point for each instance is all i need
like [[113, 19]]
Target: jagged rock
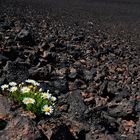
[[4, 107], [61, 85], [5, 25], [121, 109], [73, 73], [76, 105], [20, 128], [3, 58], [16, 71], [25, 37]]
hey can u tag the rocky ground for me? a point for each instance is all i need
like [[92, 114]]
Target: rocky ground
[[94, 75]]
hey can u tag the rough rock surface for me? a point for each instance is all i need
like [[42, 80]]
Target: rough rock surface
[[16, 71], [16, 125]]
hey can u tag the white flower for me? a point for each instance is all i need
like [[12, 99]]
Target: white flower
[[37, 84], [3, 87], [40, 90], [45, 95], [53, 98], [12, 83], [32, 82], [25, 89], [13, 89], [28, 100], [47, 109]]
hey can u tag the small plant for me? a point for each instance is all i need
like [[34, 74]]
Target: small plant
[[30, 96]]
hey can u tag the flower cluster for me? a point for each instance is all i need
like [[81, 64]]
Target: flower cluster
[[30, 96]]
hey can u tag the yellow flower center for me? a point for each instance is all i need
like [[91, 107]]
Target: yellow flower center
[[31, 86], [28, 101], [47, 109]]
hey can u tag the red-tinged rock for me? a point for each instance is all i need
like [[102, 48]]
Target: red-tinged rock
[[128, 126]]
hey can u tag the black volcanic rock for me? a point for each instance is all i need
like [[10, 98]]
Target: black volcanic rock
[[72, 73], [77, 106], [5, 25], [16, 71], [3, 58], [23, 128], [88, 75], [62, 132], [122, 109], [25, 37], [60, 85]]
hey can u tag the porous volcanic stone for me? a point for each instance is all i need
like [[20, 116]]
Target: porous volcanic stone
[[16, 71]]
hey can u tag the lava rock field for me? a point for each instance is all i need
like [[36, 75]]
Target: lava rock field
[[95, 77]]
